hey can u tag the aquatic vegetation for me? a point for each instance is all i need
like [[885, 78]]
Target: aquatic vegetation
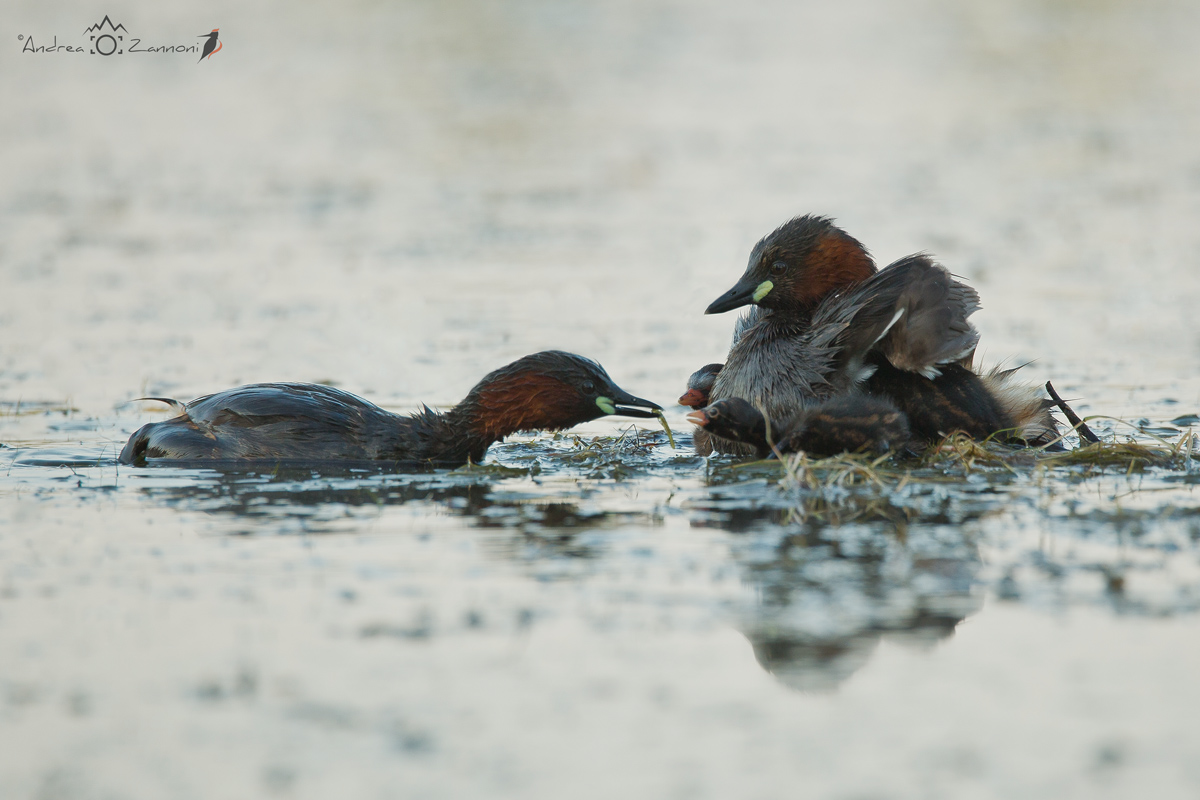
[[26, 408], [897, 487], [663, 419]]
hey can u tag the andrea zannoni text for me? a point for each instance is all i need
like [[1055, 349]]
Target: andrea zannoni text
[[106, 38]]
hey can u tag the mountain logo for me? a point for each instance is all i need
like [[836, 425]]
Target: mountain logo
[[99, 26], [104, 43]]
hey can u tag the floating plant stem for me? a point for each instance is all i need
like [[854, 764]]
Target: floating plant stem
[[666, 427]]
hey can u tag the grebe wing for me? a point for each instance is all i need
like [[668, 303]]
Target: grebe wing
[[265, 403], [915, 313]]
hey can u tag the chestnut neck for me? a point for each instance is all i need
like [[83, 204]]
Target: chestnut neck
[[508, 403], [837, 262]]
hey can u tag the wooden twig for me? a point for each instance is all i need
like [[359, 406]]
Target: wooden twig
[[1079, 425]]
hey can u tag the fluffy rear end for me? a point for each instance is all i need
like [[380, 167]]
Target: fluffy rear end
[[1025, 405]]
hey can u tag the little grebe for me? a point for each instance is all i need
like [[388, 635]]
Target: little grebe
[[551, 390], [828, 323]]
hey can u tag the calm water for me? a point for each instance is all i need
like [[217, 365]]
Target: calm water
[[397, 198]]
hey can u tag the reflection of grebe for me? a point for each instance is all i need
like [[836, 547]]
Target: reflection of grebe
[[813, 664], [815, 614], [551, 390], [828, 324]]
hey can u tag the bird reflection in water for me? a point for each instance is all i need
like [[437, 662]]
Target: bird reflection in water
[[260, 494], [546, 524], [822, 595]]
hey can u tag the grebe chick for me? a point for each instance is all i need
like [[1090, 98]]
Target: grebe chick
[[699, 385], [551, 390]]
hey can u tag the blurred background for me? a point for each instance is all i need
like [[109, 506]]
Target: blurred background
[[401, 196]]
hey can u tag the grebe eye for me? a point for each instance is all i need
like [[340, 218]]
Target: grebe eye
[[588, 387], [778, 268]]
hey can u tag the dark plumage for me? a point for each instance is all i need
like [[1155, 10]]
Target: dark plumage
[[551, 390], [956, 400], [827, 323], [851, 423]]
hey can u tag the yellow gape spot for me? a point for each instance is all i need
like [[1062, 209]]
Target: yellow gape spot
[[606, 405], [763, 290]]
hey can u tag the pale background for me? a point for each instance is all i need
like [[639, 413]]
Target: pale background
[[399, 197]]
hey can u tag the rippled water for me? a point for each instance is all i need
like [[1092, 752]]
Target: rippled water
[[397, 199]]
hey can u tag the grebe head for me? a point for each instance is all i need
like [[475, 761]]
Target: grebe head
[[732, 418], [551, 390], [797, 265], [700, 385]]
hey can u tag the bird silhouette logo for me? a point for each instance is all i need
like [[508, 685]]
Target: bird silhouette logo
[[211, 46]]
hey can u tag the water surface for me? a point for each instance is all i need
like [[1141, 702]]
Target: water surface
[[397, 199]]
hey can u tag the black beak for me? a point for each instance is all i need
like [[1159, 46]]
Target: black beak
[[629, 406], [740, 295]]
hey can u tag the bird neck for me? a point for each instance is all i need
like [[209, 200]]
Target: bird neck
[[440, 438], [505, 403], [838, 262], [757, 433]]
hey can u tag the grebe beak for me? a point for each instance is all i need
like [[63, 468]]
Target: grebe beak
[[693, 398], [698, 417], [623, 404], [746, 291]]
